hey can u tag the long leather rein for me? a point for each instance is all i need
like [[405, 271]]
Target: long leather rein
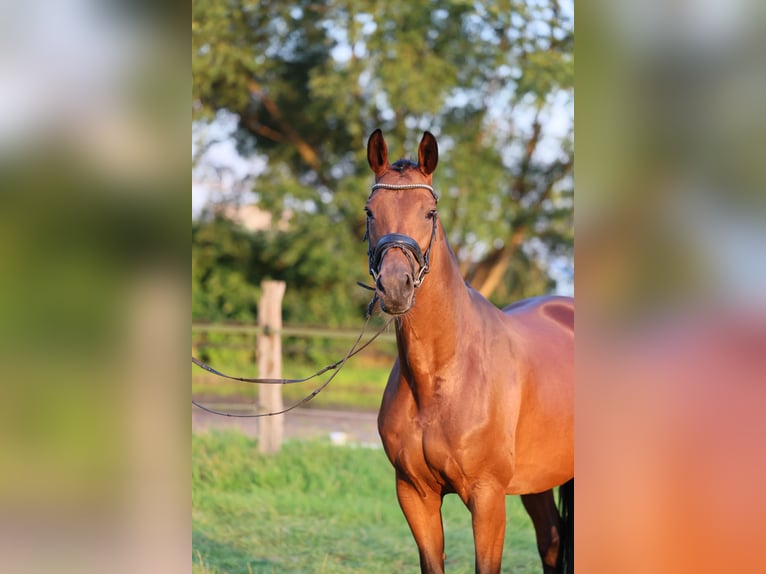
[[336, 366]]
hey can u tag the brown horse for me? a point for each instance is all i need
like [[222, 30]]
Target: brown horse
[[480, 402]]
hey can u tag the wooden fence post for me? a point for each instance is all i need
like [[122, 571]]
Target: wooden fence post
[[269, 349]]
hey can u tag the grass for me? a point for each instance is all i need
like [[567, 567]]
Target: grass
[[318, 508]]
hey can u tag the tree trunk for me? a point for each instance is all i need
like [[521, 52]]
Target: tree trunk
[[307, 153], [488, 274]]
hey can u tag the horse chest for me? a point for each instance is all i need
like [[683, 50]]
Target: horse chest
[[425, 457], [441, 455], [438, 438], [430, 453]]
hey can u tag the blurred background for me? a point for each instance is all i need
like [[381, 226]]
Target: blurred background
[[671, 285], [94, 449]]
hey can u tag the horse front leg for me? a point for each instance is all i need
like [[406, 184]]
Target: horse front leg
[[422, 509], [487, 506]]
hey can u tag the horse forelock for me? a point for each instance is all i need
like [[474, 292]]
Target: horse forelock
[[403, 165]]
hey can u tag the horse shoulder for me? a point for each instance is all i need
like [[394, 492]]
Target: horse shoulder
[[402, 435], [389, 414], [395, 418]]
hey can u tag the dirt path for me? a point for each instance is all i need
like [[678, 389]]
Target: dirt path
[[339, 426]]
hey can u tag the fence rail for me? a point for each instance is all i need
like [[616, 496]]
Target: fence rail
[[285, 331]]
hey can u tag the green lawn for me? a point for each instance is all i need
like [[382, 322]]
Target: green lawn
[[318, 508]]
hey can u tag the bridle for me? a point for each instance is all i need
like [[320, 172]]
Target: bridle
[[420, 263]]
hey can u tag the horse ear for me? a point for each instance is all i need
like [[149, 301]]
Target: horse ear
[[428, 153], [377, 152]]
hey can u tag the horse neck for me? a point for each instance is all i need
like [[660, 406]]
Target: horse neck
[[428, 336]]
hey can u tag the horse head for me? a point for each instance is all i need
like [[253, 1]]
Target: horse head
[[401, 221]]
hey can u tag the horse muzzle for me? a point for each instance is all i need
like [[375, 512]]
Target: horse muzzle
[[395, 287], [397, 276]]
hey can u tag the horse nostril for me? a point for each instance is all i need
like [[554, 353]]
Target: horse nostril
[[379, 285], [407, 280]]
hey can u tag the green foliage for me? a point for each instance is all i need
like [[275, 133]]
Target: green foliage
[[221, 256], [229, 262], [319, 508], [308, 81]]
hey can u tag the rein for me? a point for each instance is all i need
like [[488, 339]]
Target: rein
[[337, 366]]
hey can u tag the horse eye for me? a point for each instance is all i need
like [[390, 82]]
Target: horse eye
[[369, 213], [431, 214]]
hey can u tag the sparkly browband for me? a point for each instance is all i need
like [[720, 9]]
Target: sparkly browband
[[405, 186]]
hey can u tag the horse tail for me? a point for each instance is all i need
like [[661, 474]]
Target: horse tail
[[566, 510]]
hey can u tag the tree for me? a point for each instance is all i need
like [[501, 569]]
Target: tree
[[221, 256], [308, 81]]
